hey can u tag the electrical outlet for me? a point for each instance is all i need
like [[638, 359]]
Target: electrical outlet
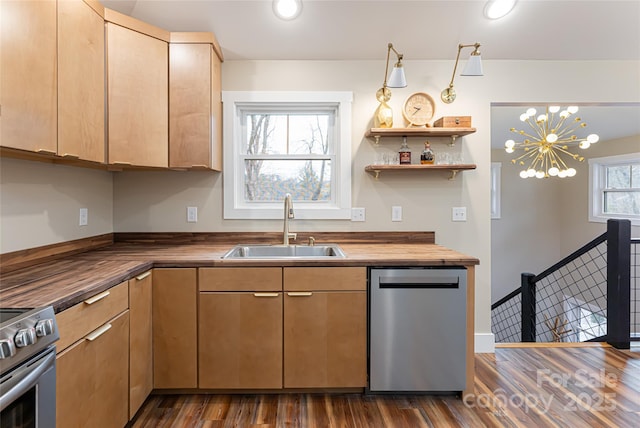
[[84, 216], [357, 214], [459, 214], [192, 214], [396, 213]]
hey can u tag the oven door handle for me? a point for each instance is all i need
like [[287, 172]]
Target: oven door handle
[[24, 379]]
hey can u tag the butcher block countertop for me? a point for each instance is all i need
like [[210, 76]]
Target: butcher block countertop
[[66, 281]]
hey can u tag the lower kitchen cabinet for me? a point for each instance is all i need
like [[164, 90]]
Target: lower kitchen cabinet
[[325, 339], [240, 328], [92, 378], [325, 333], [140, 341], [240, 339], [175, 338], [254, 336]]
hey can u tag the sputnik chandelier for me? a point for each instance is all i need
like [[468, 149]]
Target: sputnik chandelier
[[550, 138]]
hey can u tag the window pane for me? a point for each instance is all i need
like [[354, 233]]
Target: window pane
[[308, 134], [635, 176], [279, 134], [269, 181], [618, 177], [622, 203], [266, 134]]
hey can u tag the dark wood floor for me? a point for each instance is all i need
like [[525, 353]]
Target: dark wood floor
[[515, 387]]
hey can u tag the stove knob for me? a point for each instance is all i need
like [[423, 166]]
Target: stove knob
[[7, 350], [44, 327], [25, 337]]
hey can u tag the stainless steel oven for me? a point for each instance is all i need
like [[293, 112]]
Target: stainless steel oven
[[28, 368]]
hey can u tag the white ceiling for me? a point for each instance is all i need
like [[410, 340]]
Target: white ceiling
[[421, 30]]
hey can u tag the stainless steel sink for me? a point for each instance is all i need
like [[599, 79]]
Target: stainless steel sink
[[284, 252]]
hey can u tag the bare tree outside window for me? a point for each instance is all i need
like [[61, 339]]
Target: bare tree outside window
[[288, 153]]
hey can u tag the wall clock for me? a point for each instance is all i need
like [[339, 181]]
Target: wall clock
[[418, 109]]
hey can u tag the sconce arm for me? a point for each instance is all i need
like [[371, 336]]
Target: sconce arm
[[460, 47], [386, 68]]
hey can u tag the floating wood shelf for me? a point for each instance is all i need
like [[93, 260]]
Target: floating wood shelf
[[377, 169], [377, 133]]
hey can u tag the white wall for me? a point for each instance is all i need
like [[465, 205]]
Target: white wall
[[526, 237], [40, 203], [156, 201]]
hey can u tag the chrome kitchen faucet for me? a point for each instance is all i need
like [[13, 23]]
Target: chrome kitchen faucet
[[288, 214]]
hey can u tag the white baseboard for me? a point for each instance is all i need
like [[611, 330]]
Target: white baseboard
[[485, 343]]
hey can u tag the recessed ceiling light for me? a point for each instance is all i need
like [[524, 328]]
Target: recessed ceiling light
[[496, 9], [287, 9]]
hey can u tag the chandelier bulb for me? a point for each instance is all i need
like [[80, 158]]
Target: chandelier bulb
[[553, 171], [572, 109], [523, 174], [509, 144], [571, 172], [539, 174], [593, 138], [531, 112], [552, 138], [554, 109], [584, 145]]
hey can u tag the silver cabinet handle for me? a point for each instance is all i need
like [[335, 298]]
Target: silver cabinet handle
[[300, 294], [143, 276], [97, 297], [265, 294], [97, 333]]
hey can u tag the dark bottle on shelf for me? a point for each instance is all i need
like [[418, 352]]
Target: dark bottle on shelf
[[427, 157], [405, 153]]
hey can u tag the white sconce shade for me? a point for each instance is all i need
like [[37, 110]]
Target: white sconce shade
[[397, 78], [473, 67]]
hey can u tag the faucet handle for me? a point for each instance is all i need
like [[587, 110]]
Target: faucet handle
[[292, 235], [312, 241]]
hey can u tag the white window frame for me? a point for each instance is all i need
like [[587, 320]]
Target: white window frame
[[496, 169], [597, 180], [234, 103]]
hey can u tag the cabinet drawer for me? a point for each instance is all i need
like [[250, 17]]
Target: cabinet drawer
[[81, 319], [240, 279], [325, 278]]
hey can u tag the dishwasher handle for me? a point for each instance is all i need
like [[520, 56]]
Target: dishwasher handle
[[419, 283]]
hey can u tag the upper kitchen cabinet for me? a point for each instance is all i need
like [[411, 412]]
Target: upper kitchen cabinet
[[195, 107], [28, 82], [81, 80], [138, 86]]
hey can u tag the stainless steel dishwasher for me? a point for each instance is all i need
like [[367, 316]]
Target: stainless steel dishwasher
[[417, 329]]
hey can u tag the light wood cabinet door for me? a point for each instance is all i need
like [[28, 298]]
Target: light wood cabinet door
[[216, 112], [138, 86], [240, 340], [92, 378], [81, 82], [175, 338], [28, 82], [325, 338], [140, 341], [194, 106]]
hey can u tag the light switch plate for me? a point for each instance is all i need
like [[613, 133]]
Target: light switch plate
[[192, 214], [396, 213], [459, 214], [84, 217], [357, 214]]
